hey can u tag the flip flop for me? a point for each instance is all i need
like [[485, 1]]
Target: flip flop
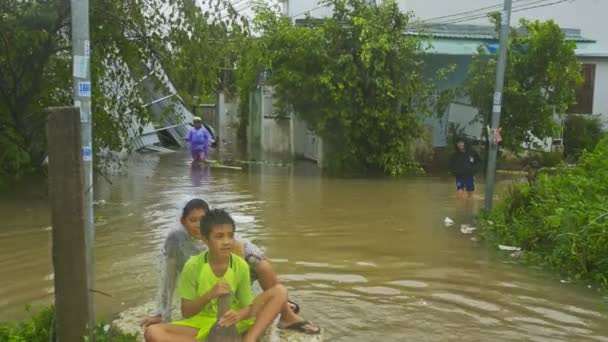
[[301, 327], [294, 306]]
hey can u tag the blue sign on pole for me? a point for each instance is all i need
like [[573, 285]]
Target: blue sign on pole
[[84, 89]]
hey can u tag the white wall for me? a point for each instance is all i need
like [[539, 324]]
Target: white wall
[[600, 92], [587, 15], [228, 120], [276, 132]]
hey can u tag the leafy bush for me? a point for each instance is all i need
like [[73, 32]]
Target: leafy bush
[[40, 328], [561, 220], [550, 159], [355, 79], [581, 132]]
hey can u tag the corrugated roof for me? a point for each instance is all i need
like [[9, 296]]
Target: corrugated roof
[[456, 31], [468, 47], [166, 106], [479, 32]]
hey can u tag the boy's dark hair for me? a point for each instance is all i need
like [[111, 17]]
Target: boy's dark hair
[[193, 204], [215, 217]]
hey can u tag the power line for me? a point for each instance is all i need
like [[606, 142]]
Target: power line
[[309, 10], [520, 9], [230, 5], [481, 14], [238, 10], [495, 6]]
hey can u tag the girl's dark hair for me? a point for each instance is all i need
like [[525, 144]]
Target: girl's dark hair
[[193, 204], [215, 217]]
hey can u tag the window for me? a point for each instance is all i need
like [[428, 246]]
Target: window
[[584, 95]]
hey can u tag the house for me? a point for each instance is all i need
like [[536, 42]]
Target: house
[[454, 44], [588, 15], [459, 27]]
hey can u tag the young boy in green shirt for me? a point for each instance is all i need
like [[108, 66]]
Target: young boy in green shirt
[[210, 275]]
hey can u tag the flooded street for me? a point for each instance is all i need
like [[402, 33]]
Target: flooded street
[[366, 259]]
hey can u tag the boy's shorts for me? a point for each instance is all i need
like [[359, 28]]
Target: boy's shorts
[[465, 183]]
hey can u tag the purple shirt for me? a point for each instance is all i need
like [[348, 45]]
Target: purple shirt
[[199, 139]]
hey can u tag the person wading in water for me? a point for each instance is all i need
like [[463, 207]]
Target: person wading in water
[[464, 164]]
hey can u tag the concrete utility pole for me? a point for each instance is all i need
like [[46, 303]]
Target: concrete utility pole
[[497, 105], [285, 7], [81, 53], [67, 193]]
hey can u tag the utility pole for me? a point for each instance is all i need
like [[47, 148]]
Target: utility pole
[[67, 192], [81, 54], [497, 103]]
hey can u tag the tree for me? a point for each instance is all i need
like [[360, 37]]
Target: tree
[[356, 79], [35, 65], [581, 133], [542, 74], [205, 49]]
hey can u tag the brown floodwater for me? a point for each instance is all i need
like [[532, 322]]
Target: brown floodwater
[[368, 259]]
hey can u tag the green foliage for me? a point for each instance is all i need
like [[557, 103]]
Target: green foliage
[[561, 219], [40, 328], [30, 40], [581, 133], [35, 65], [355, 78], [542, 74], [205, 49]]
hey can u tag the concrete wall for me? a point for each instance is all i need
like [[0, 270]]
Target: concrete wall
[[298, 137], [439, 121], [228, 119], [276, 136], [276, 131]]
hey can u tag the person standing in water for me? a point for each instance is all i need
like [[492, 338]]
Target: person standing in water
[[200, 141], [464, 165]]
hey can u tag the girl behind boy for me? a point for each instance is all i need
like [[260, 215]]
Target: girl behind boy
[[185, 242], [213, 274]]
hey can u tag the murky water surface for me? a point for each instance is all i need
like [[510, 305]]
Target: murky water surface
[[367, 259]]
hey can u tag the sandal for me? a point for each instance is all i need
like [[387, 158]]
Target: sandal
[[294, 307], [305, 327]]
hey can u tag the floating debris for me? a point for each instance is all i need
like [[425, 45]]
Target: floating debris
[[517, 254], [448, 222], [466, 229], [508, 248]]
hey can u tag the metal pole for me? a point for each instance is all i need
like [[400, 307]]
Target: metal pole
[[497, 104], [81, 51], [286, 8]]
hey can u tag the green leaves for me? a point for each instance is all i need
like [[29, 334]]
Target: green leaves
[[195, 48], [541, 71], [355, 78], [40, 328], [562, 218]]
